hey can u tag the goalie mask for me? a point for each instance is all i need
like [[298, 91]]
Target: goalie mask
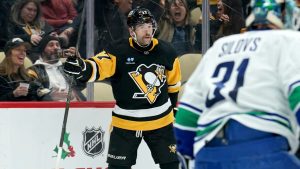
[[283, 14], [140, 16]]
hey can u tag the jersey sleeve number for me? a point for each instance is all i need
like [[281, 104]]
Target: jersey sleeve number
[[228, 66]]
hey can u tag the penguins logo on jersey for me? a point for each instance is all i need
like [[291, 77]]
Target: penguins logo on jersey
[[149, 80]]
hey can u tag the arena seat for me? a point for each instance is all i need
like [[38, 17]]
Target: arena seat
[[27, 61], [188, 63], [2, 56], [195, 15], [102, 92]]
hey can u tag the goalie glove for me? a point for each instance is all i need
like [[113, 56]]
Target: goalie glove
[[75, 67], [184, 143]]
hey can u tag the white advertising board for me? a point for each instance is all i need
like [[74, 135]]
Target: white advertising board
[[29, 133]]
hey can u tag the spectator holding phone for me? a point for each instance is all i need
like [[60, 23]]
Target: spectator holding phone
[[48, 70], [15, 83]]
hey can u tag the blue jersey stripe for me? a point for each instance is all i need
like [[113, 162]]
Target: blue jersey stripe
[[292, 85], [248, 113], [190, 106]]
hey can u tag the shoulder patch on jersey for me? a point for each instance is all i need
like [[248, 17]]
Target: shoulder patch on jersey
[[130, 61]]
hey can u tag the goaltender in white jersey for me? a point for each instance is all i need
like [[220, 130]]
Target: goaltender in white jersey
[[254, 77], [243, 101]]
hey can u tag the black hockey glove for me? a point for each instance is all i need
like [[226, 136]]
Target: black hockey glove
[[74, 66]]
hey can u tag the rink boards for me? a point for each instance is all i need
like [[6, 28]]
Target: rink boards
[[30, 132]]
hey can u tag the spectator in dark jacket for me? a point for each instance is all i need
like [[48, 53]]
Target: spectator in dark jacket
[[4, 15], [15, 83], [177, 27], [110, 21], [26, 23], [226, 21]]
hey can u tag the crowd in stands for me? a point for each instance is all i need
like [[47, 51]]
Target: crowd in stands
[[179, 22]]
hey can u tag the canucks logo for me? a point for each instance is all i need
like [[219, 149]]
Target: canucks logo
[[149, 80], [93, 141]]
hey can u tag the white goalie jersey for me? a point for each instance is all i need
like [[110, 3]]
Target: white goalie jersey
[[253, 78]]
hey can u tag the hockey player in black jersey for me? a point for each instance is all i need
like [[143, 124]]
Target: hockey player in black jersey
[[145, 77]]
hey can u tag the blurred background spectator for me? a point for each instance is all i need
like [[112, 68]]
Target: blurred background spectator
[[176, 26], [5, 6], [15, 83], [110, 21], [60, 14], [27, 24], [49, 72], [234, 21], [227, 20]]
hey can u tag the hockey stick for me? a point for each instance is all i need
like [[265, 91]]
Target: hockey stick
[[63, 130]]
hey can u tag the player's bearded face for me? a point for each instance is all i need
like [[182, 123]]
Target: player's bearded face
[[144, 33]]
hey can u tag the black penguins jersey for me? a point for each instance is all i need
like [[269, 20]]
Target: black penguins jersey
[[142, 80]]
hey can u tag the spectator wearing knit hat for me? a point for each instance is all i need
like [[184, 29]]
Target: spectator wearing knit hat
[[15, 83], [48, 70]]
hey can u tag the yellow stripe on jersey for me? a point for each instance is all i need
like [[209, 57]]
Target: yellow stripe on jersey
[[155, 42], [106, 64], [174, 77], [131, 42], [143, 125]]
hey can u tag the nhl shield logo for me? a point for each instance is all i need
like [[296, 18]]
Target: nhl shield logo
[[93, 141]]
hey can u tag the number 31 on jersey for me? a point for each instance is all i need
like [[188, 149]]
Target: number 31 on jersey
[[227, 76]]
